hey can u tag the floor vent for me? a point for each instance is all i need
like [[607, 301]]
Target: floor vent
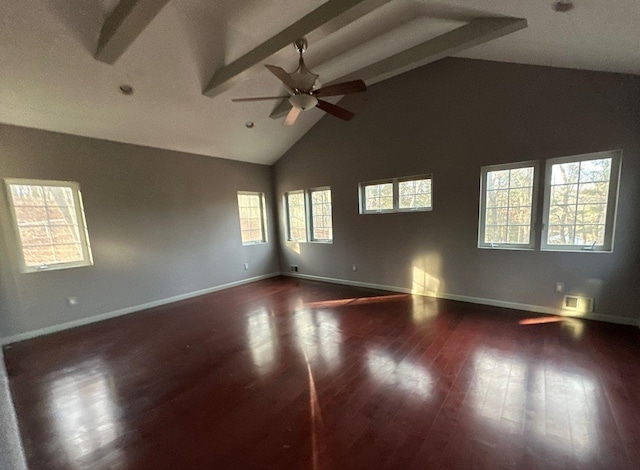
[[576, 303]]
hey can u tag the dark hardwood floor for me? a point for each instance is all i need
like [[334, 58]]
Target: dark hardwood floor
[[288, 374]]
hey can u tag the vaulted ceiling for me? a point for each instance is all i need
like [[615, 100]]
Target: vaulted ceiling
[[62, 61]]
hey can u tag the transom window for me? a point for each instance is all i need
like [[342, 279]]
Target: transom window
[[321, 221], [49, 220], [506, 207], [252, 217], [378, 197], [580, 202], [412, 193]]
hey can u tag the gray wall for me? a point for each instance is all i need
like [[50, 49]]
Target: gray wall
[[160, 223], [450, 118]]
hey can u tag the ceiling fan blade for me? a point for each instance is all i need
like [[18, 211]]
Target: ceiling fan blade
[[292, 116], [282, 75], [344, 88], [334, 110], [261, 98]]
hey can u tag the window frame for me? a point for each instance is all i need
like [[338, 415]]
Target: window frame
[[85, 244], [311, 227], [288, 216], [533, 236], [612, 202], [263, 217], [395, 182], [403, 179]]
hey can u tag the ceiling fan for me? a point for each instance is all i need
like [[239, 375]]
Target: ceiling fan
[[303, 89]]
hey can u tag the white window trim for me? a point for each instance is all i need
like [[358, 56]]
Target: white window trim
[[80, 216], [310, 227], [396, 194], [263, 214], [612, 202], [534, 204]]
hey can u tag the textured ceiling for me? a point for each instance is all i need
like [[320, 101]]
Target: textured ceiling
[[49, 78]]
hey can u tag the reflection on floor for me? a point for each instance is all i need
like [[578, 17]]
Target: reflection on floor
[[295, 374]]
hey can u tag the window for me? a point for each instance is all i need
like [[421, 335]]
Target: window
[[406, 194], [297, 216], [50, 225], [378, 197], [415, 194], [580, 202], [252, 217], [507, 212], [321, 223], [318, 203]]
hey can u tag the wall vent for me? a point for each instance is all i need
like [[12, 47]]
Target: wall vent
[[577, 303], [293, 268]]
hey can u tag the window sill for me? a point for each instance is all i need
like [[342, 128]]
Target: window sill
[[508, 248], [573, 250]]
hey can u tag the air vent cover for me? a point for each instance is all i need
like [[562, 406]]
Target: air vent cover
[[577, 303]]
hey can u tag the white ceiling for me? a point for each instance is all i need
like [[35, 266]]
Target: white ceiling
[[50, 80]]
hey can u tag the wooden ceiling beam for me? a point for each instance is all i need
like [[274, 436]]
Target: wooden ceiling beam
[[124, 25], [476, 32], [327, 18]]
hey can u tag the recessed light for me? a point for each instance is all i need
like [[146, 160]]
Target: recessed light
[[126, 89], [249, 124], [563, 6]]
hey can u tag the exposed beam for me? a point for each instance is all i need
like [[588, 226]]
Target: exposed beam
[[475, 32], [124, 25], [327, 18]]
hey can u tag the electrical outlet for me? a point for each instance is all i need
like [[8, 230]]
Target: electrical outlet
[[72, 301], [293, 268], [559, 287], [354, 268], [246, 266]]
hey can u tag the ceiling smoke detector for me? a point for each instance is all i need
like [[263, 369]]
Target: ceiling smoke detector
[[563, 6]]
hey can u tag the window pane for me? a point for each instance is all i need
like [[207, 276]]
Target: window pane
[[31, 215], [415, 194], [50, 226], [321, 215], [251, 214], [39, 255], [595, 170], [565, 173], [26, 195], [378, 197], [521, 177], [508, 201], [495, 234], [578, 202], [498, 198], [297, 216], [68, 253], [35, 235], [593, 192], [561, 234], [564, 194], [498, 179]]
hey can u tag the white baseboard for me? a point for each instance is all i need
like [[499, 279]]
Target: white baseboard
[[474, 300], [128, 310]]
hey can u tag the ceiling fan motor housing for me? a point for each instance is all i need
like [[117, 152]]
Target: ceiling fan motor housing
[[303, 101]]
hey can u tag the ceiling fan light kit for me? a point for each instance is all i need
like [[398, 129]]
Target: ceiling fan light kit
[[302, 85]]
